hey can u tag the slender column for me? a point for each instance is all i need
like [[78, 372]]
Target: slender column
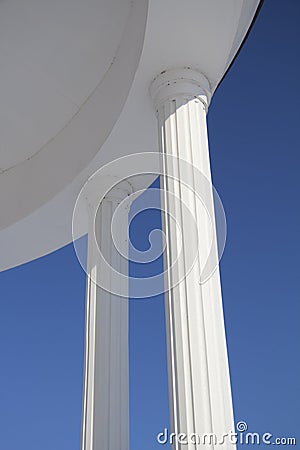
[[105, 421], [199, 385]]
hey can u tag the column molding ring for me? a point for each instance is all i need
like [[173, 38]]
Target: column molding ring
[[187, 82]]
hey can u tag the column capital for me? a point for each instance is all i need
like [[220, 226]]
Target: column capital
[[98, 189], [119, 192], [174, 83]]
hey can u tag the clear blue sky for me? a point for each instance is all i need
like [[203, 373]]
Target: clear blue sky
[[254, 142]]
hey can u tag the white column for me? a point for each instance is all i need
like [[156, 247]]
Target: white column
[[199, 385], [105, 421]]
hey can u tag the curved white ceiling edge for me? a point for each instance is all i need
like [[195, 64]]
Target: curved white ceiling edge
[[249, 10], [27, 186], [49, 227]]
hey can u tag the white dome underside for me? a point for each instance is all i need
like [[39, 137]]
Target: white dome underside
[[67, 67]]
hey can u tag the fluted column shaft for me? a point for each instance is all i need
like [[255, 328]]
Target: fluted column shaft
[[199, 385], [105, 422]]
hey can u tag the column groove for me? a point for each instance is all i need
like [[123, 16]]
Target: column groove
[[199, 386], [105, 421]]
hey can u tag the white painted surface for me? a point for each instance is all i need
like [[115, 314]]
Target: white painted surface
[[105, 415], [66, 75], [38, 196], [199, 385]]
